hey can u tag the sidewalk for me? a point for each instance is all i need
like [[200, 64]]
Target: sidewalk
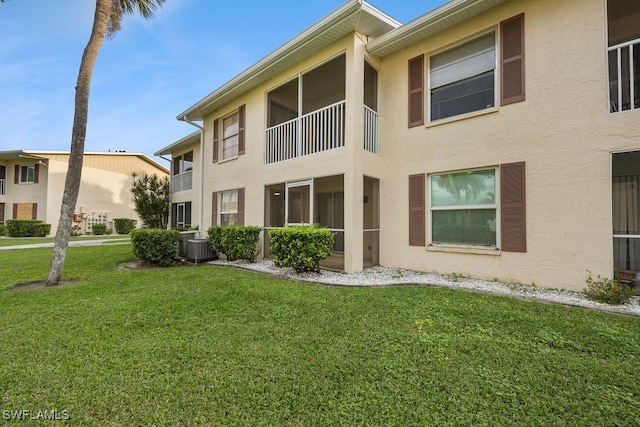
[[92, 242]]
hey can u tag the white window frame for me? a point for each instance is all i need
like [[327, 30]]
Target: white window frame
[[495, 205], [496, 84], [235, 135], [295, 184], [24, 170], [221, 200]]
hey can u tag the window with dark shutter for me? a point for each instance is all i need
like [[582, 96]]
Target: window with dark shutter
[[416, 91], [34, 211], [36, 173], [416, 210], [240, 206], [241, 119], [513, 205], [512, 60], [216, 132], [214, 208], [16, 175]]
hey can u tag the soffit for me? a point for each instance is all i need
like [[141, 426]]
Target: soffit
[[439, 19], [353, 16]]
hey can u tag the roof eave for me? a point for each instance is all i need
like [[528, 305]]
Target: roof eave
[[183, 142], [342, 13], [439, 19]]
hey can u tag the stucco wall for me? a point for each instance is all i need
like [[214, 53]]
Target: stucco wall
[[563, 131]]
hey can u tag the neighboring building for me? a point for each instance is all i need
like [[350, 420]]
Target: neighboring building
[[32, 182], [488, 138]]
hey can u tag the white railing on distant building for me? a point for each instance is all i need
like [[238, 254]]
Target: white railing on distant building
[[320, 130], [3, 187], [623, 79], [371, 131]]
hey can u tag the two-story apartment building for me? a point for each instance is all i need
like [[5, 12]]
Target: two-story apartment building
[[32, 182], [489, 138]]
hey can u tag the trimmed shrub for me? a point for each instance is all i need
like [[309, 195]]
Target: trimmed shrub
[[609, 291], [155, 246], [27, 228], [301, 247], [124, 225], [3, 230], [99, 229], [235, 241]]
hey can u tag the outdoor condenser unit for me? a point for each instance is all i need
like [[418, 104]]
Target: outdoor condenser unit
[[199, 250]]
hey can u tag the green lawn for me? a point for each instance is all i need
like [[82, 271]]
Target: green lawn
[[15, 241], [211, 345]]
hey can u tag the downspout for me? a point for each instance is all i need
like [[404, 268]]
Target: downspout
[[200, 193]]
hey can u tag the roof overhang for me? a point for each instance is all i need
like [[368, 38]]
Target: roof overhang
[[19, 154], [439, 19], [45, 155], [353, 16], [179, 144]]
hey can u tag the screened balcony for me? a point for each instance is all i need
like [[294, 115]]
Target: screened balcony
[[306, 115]]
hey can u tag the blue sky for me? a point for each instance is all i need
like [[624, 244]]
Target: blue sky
[[149, 73]]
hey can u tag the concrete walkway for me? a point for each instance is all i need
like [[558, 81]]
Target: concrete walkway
[[88, 242]]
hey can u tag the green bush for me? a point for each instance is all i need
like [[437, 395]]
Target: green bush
[[99, 229], [155, 246], [235, 241], [3, 230], [27, 228], [301, 247], [609, 291], [124, 225]]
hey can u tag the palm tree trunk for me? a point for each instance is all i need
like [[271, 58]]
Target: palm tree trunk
[[72, 182]]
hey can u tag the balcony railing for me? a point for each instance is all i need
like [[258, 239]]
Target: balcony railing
[[371, 131], [320, 130], [624, 76], [181, 182], [3, 187]]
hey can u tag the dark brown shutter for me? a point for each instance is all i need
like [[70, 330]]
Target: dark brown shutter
[[214, 208], [240, 206], [416, 91], [216, 131], [1, 213], [36, 173], [416, 210], [34, 211], [513, 207], [16, 175], [512, 60], [241, 118], [15, 211]]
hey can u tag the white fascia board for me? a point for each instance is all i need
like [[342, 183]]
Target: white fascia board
[[324, 25], [428, 24]]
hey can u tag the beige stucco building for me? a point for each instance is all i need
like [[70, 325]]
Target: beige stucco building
[[32, 182], [490, 138]]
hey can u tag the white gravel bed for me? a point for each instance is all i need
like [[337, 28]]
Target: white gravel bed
[[385, 276]]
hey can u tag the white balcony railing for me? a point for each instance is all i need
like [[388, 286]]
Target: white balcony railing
[[371, 131], [3, 187], [181, 182], [314, 132], [624, 76]]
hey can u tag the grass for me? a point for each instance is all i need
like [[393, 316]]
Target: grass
[[211, 345], [15, 241]]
